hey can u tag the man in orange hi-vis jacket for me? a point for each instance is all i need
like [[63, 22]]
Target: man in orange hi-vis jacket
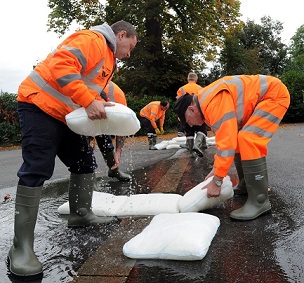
[[70, 77], [113, 93], [149, 115], [201, 130], [243, 112]]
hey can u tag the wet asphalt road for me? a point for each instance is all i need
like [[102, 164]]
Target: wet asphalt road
[[268, 249]]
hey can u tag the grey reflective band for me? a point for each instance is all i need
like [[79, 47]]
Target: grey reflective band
[[240, 99], [225, 153], [111, 92], [227, 116], [40, 82]]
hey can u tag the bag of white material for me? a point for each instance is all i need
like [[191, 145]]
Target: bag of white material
[[105, 204], [149, 204], [120, 121], [196, 199], [161, 145], [183, 236]]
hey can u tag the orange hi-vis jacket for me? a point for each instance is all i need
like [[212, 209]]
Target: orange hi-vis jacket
[[191, 88], [74, 74], [243, 112], [153, 112], [115, 93]]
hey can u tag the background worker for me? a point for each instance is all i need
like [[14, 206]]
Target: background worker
[[200, 145], [154, 112], [242, 132], [72, 75], [113, 93]]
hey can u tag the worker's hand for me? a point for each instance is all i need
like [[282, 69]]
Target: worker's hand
[[96, 109], [162, 131], [212, 189], [157, 131], [117, 160], [211, 173]]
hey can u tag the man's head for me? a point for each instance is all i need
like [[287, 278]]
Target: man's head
[[192, 77], [188, 111], [126, 38], [164, 105]]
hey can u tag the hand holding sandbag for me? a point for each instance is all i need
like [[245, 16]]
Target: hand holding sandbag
[[120, 121], [196, 199], [162, 131], [157, 131]]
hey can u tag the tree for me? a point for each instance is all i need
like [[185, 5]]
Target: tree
[[293, 77], [254, 48], [176, 36]]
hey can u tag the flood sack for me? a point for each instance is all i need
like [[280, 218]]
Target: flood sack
[[183, 236], [105, 204], [196, 199], [120, 121]]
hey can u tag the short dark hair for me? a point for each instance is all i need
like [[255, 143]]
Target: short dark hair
[[164, 103], [123, 25]]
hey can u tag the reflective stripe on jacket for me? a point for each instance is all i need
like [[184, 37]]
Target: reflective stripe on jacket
[[115, 94], [251, 105], [73, 75], [153, 112], [191, 88]]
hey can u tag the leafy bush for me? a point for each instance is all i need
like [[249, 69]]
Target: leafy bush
[[10, 133]]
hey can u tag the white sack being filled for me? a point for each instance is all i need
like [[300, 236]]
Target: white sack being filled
[[120, 121], [183, 236]]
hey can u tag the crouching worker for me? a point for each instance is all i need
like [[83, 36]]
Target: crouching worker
[[154, 112], [71, 76], [243, 112]]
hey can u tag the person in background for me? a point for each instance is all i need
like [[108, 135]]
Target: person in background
[[244, 112], [200, 144], [152, 113], [70, 77], [113, 93]]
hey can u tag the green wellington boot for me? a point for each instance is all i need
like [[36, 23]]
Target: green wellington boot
[[200, 144], [116, 173], [241, 187], [22, 260], [80, 201], [256, 178]]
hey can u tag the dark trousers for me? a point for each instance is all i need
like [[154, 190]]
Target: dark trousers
[[105, 143], [147, 124], [190, 131], [44, 137]]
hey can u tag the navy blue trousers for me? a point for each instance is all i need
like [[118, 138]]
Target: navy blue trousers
[[44, 138]]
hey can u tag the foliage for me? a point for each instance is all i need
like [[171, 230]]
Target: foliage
[[175, 36], [254, 49], [9, 126], [293, 77]]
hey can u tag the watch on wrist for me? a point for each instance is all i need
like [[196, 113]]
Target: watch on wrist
[[217, 182]]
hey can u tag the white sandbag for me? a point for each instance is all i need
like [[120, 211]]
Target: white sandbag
[[180, 139], [161, 145], [149, 204], [105, 204], [173, 146], [183, 236], [120, 121], [196, 199]]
